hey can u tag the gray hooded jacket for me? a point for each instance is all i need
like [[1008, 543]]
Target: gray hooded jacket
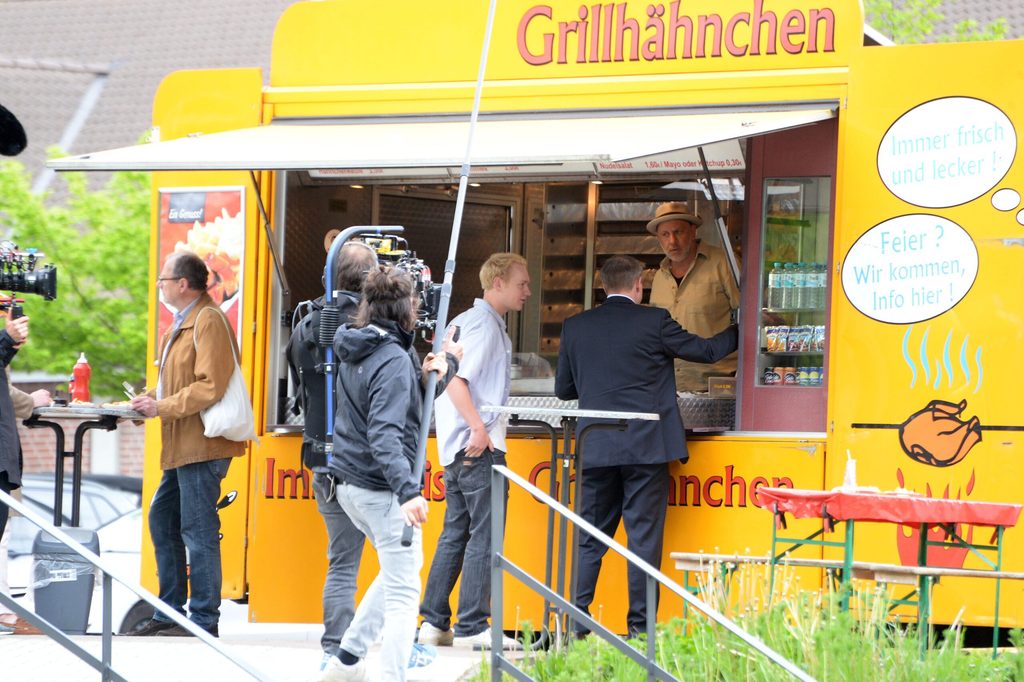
[[380, 400]]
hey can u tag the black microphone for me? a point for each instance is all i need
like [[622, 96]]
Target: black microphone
[[12, 134]]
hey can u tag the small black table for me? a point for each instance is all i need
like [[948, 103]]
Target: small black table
[[96, 417]]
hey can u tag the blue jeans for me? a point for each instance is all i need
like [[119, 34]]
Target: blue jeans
[[184, 514], [464, 547], [344, 549], [388, 608]]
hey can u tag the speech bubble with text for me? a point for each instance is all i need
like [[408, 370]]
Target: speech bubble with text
[[910, 268], [946, 152]]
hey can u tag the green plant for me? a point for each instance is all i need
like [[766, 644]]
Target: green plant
[[99, 243], [913, 21], [806, 626]]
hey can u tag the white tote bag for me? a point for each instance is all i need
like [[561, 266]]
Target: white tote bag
[[230, 417]]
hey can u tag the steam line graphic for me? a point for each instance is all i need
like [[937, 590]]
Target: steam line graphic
[[942, 366]]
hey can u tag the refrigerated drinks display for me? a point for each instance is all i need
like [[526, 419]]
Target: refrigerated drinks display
[[586, 223], [794, 263]]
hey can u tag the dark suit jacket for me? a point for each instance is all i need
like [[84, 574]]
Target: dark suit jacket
[[619, 356]]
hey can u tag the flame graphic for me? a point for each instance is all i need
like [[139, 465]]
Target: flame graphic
[[908, 537]]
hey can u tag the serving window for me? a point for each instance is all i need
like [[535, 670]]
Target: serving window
[[565, 230], [566, 227]]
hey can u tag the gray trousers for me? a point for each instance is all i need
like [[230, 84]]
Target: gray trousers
[[388, 609], [344, 550]]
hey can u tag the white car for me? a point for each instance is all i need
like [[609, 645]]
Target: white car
[[115, 515]]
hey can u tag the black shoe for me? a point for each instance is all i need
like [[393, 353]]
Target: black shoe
[[151, 628], [177, 631]]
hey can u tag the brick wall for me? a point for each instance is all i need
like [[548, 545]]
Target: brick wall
[[39, 447], [132, 448]]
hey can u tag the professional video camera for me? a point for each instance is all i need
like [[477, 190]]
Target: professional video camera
[[20, 271], [394, 250]]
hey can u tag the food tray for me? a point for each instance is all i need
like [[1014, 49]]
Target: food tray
[[86, 412], [703, 413]]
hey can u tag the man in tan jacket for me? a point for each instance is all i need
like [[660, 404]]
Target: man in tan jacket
[[196, 363]]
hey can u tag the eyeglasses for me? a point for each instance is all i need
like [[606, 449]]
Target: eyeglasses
[[167, 279]]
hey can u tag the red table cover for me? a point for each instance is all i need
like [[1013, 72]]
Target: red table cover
[[892, 507]]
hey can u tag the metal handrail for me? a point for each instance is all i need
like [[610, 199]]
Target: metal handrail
[[499, 663], [104, 665], [568, 414]]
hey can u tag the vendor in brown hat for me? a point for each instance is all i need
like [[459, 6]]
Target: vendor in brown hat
[[694, 283]]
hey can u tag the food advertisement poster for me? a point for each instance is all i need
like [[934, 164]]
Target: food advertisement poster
[[209, 222]]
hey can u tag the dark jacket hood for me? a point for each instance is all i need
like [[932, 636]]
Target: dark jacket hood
[[354, 344]]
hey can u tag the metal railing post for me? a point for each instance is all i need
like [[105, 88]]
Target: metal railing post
[[653, 576], [563, 524], [108, 586], [652, 609], [103, 666], [549, 537], [497, 594]]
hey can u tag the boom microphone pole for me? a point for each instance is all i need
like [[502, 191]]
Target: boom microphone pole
[[449, 270]]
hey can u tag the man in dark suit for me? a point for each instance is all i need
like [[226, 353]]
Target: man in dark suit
[[619, 356]]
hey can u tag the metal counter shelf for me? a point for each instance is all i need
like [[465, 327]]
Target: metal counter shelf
[[699, 412]]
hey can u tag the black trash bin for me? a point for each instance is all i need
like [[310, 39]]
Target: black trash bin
[[62, 581]]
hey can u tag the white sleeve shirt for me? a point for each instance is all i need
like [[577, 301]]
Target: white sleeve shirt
[[486, 368]]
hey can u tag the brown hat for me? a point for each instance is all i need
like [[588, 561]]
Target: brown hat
[[673, 210]]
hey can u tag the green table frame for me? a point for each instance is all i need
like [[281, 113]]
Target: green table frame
[[925, 581]]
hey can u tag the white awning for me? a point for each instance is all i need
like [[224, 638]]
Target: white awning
[[377, 150]]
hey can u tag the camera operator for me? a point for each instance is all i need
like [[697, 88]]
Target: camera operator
[[13, 336], [380, 399], [305, 359]]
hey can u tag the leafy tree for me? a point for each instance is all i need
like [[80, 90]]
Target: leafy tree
[[99, 242], [913, 21]]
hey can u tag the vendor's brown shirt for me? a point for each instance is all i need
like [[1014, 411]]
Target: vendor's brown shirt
[[701, 303]]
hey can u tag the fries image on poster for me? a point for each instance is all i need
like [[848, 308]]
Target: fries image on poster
[[211, 224]]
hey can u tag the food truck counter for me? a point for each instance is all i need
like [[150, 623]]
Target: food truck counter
[[699, 412]]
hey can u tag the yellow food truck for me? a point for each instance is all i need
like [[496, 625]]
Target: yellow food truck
[[871, 195]]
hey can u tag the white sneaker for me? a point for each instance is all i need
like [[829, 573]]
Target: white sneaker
[[482, 640], [336, 671], [325, 660], [434, 636]]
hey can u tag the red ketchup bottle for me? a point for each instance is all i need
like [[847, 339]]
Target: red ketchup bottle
[[81, 373]]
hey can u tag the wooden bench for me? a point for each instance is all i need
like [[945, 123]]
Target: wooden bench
[[700, 562]]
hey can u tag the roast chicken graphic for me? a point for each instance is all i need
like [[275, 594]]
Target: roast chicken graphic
[[937, 435]]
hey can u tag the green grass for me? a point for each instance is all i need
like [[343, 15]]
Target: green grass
[[806, 627]]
